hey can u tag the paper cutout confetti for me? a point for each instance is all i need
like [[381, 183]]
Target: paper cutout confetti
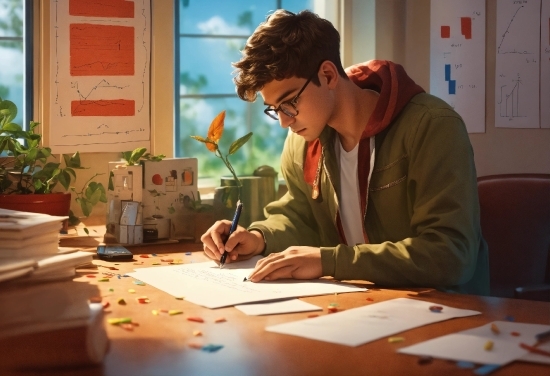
[[173, 312], [220, 319], [488, 345], [195, 345], [436, 309], [131, 291], [212, 348], [143, 300], [495, 329], [464, 364], [197, 333], [103, 280], [139, 283], [395, 339], [486, 369], [120, 320], [195, 319], [121, 301]]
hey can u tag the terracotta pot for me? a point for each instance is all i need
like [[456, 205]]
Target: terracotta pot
[[51, 203]]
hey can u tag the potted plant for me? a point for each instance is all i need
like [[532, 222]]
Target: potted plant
[[30, 177], [214, 135]]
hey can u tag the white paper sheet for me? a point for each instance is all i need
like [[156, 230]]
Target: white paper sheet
[[469, 345], [358, 326], [207, 285], [277, 307]]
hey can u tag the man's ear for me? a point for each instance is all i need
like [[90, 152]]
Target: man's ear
[[328, 74]]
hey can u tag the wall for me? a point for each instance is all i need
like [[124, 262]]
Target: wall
[[162, 91], [498, 150]]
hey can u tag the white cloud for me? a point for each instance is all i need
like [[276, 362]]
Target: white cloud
[[217, 25]]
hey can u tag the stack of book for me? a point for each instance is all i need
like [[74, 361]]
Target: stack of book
[[47, 320]]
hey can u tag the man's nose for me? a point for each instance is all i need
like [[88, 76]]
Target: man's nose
[[285, 120]]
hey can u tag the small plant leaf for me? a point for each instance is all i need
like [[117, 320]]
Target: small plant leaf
[[12, 127], [72, 160], [236, 145], [64, 179], [211, 145], [136, 155], [216, 128]]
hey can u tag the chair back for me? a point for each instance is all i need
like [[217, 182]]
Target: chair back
[[515, 222]]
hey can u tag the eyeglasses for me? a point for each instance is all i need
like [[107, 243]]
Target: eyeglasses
[[287, 107]]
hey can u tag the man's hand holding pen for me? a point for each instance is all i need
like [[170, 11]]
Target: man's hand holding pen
[[240, 245]]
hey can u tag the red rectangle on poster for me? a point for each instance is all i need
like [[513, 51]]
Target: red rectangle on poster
[[102, 8], [101, 50], [103, 107]]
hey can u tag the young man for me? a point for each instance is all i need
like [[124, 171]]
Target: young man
[[380, 175]]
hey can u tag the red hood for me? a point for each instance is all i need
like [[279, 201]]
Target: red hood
[[396, 89]]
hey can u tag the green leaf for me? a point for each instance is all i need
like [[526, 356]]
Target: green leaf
[[8, 109], [136, 155], [85, 206], [95, 192], [12, 127], [236, 145], [127, 155], [64, 179], [70, 171], [72, 160], [111, 185], [154, 158]]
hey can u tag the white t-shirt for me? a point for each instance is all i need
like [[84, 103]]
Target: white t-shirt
[[350, 202]]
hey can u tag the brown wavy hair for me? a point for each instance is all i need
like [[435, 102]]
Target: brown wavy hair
[[286, 45]]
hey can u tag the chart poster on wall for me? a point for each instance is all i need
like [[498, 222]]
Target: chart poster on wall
[[545, 65], [457, 58], [100, 75], [517, 74]]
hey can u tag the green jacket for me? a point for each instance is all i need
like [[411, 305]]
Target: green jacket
[[422, 216]]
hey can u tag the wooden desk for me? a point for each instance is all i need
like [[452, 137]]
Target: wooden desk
[[159, 345]]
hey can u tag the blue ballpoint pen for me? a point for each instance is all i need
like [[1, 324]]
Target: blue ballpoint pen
[[234, 224]]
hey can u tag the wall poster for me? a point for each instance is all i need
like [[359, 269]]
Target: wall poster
[[100, 75], [457, 58]]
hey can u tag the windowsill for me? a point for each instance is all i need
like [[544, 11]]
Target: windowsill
[[207, 189]]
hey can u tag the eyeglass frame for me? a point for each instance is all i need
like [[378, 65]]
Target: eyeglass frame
[[274, 112]]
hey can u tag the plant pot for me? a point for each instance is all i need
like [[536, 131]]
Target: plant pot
[[51, 203]]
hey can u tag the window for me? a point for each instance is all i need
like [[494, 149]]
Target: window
[[15, 48], [211, 34]]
